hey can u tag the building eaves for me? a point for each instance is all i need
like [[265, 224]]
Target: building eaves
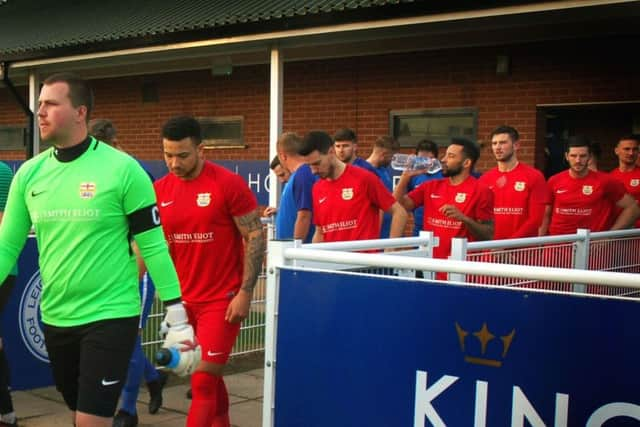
[[32, 29], [29, 27]]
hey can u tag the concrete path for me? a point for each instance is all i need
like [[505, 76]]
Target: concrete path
[[44, 407]]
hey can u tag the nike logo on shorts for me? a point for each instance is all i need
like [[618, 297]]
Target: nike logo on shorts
[[37, 193], [322, 200], [213, 353], [561, 191], [108, 383], [165, 204]]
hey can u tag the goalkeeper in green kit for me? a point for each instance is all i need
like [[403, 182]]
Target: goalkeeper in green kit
[[86, 200]]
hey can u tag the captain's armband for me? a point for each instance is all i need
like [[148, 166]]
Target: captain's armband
[[144, 219]]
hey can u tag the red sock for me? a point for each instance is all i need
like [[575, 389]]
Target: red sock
[[204, 402], [222, 415]]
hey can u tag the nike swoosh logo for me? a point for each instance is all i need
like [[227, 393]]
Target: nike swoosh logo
[[37, 193], [108, 383], [435, 196], [165, 204], [561, 191], [213, 353], [322, 200]]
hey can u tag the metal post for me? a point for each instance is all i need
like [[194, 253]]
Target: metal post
[[275, 260], [275, 119], [458, 252], [34, 93], [428, 248], [581, 256]]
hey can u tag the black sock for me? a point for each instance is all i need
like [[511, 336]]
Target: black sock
[[6, 405]]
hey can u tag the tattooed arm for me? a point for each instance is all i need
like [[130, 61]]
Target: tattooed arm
[[254, 247]]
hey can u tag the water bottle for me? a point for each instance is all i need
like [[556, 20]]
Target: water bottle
[[402, 162], [430, 165], [182, 363]]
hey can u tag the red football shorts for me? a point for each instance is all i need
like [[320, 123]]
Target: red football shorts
[[215, 335]]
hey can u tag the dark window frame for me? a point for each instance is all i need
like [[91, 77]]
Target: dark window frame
[[19, 141], [219, 143], [441, 139]]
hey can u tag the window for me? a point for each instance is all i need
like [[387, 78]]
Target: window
[[410, 126], [11, 137], [222, 132]]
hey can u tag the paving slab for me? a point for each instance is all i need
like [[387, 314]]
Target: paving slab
[[162, 418], [256, 372], [61, 419], [34, 406], [44, 407], [244, 385], [246, 414], [174, 399]]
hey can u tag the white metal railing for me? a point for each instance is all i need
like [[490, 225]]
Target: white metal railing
[[463, 267], [607, 251], [603, 251]]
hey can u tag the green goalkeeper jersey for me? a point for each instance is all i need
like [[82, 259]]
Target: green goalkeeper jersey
[[84, 212]]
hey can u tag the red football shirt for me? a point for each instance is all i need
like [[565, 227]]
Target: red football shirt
[[586, 202], [471, 197], [205, 244], [348, 208], [519, 199], [631, 181]]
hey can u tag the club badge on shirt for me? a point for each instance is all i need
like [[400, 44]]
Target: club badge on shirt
[[634, 182], [87, 190], [347, 193], [519, 185], [587, 190], [461, 197], [203, 199]]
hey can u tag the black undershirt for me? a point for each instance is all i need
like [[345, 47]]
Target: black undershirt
[[69, 154]]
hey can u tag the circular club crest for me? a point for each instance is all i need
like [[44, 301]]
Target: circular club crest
[[30, 320]]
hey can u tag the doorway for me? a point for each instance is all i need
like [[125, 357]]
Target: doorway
[[603, 124]]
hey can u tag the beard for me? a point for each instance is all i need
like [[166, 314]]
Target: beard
[[580, 169], [347, 159], [451, 171], [505, 157]]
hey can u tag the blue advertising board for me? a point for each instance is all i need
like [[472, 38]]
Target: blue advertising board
[[375, 351], [22, 335]]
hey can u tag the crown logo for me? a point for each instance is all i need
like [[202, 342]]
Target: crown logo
[[484, 336]]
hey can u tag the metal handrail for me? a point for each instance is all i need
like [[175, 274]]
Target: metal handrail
[[465, 267]]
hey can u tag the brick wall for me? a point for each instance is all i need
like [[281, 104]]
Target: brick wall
[[360, 92], [11, 114]]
